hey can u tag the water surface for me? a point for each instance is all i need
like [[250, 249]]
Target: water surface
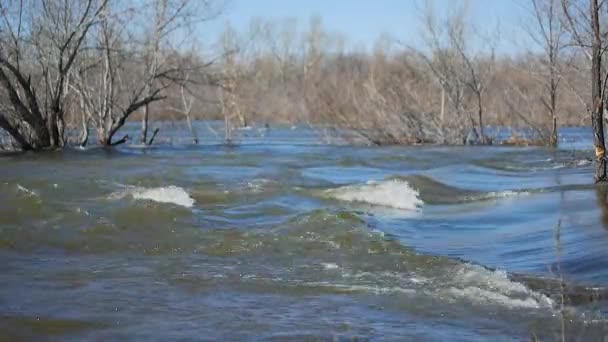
[[286, 237]]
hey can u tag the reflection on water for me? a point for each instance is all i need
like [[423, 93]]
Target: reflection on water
[[286, 238]]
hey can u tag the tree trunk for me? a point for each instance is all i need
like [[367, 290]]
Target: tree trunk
[[192, 131], [442, 113], [554, 138], [144, 126], [553, 105], [15, 134], [553, 110], [597, 114], [480, 113], [84, 137], [227, 128]]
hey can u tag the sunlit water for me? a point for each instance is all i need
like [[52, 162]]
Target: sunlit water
[[286, 237]]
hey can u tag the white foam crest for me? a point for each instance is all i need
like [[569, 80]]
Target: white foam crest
[[391, 193], [583, 162], [498, 279], [471, 283], [477, 283], [169, 194], [401, 278], [378, 290], [482, 296], [26, 191], [330, 266]]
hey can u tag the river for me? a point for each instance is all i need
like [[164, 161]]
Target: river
[[287, 237]]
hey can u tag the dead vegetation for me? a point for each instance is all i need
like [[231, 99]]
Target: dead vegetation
[[117, 63]]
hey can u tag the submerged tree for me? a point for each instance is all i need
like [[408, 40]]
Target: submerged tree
[[544, 25], [39, 44], [459, 69], [585, 28], [228, 83], [550, 38], [127, 70], [100, 60]]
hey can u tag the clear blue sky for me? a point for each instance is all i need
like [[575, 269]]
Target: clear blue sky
[[363, 21]]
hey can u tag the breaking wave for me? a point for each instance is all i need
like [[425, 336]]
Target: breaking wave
[[391, 193], [480, 285], [349, 257], [454, 282], [26, 191], [412, 192], [169, 194]]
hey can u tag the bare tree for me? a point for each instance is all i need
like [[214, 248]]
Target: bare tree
[[39, 44], [478, 72], [186, 100], [598, 93], [228, 85], [444, 40], [549, 36], [586, 32], [153, 56], [125, 72], [544, 26]]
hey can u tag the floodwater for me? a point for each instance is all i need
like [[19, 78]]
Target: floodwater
[[284, 237]]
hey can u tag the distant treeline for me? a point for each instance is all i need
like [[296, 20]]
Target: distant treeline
[[99, 63]]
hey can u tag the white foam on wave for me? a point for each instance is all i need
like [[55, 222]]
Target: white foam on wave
[[330, 266], [482, 296], [481, 285], [377, 290], [26, 191], [583, 162], [469, 283], [391, 193], [169, 194]]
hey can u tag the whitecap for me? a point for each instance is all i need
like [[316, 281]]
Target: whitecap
[[377, 290], [481, 296], [26, 191], [470, 283], [330, 266], [479, 284], [169, 194], [584, 162], [391, 193]]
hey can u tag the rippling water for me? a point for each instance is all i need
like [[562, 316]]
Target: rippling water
[[284, 238]]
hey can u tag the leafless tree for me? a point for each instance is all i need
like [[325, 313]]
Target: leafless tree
[[478, 72], [551, 37], [544, 27], [585, 29], [445, 41], [126, 72], [229, 81], [39, 43], [186, 103]]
